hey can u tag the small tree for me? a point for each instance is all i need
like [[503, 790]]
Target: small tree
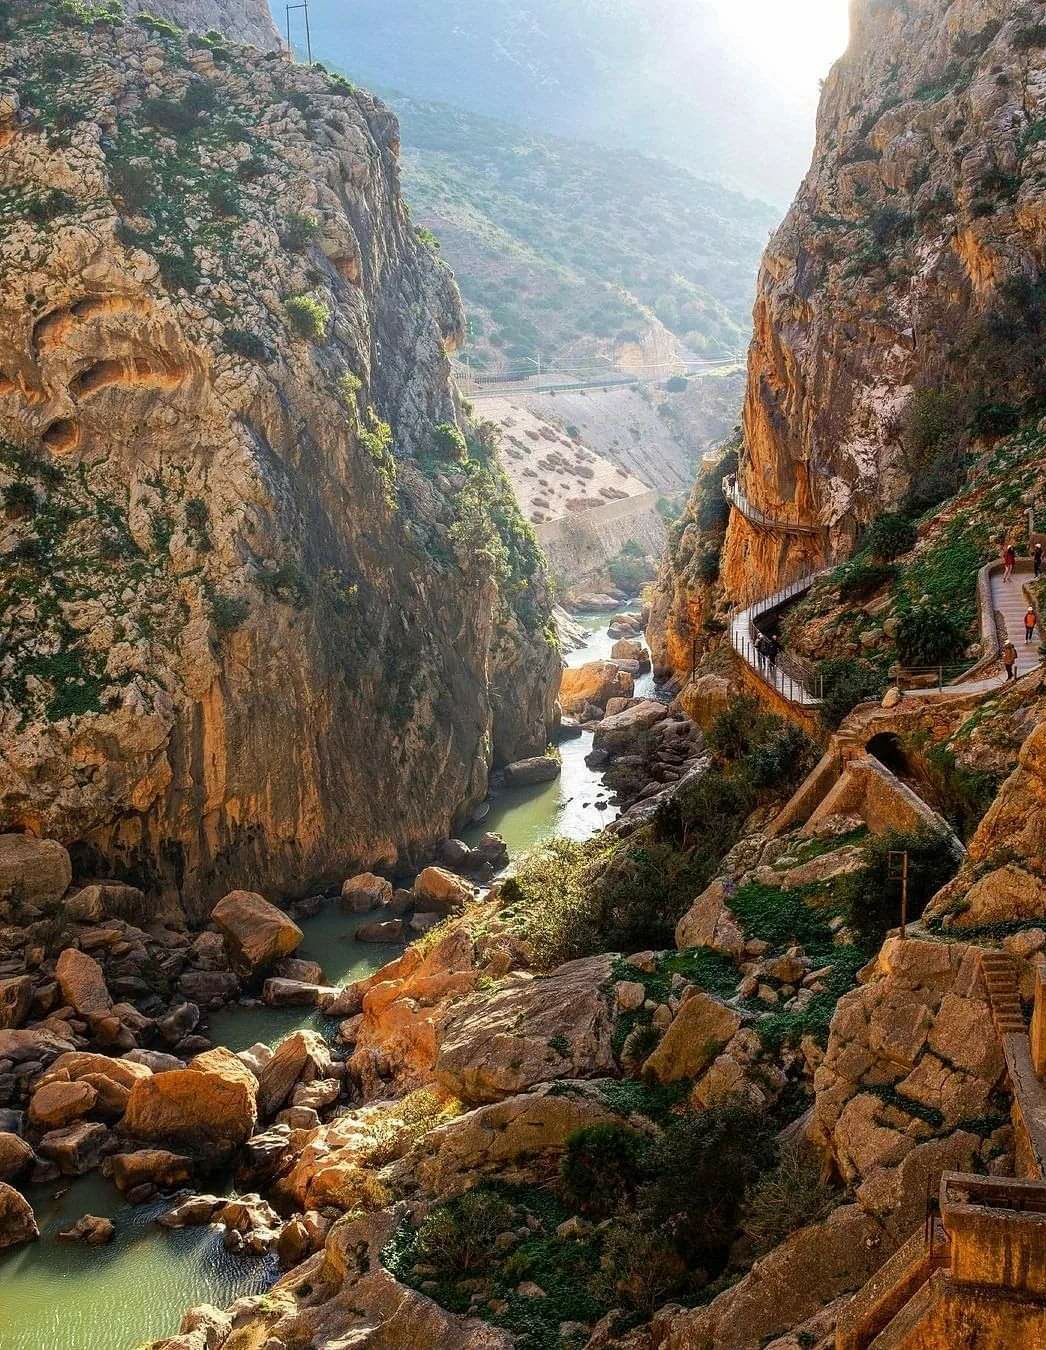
[[308, 317], [600, 1168], [871, 897], [928, 635], [888, 537]]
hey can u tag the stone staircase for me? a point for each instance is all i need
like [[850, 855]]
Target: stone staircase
[[1000, 978], [1010, 604]]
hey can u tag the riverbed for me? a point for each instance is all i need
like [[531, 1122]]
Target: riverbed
[[55, 1296]]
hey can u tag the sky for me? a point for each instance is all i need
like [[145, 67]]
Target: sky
[[794, 42]]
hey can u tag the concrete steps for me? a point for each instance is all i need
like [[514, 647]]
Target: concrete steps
[[1009, 600], [1000, 978]]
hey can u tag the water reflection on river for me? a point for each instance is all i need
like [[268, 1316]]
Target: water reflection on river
[[72, 1297]]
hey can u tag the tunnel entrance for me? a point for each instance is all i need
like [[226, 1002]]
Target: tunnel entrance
[[888, 750]]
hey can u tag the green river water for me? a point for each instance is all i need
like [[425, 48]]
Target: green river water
[[55, 1296]]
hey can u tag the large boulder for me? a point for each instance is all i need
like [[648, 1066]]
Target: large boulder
[[256, 933], [527, 772], [33, 871], [110, 900], [150, 1166], [529, 1031], [82, 982], [441, 892], [364, 892], [16, 996], [15, 1155], [594, 683], [75, 1149], [697, 1033], [56, 1104], [301, 1057], [709, 923], [208, 1106], [1004, 895], [17, 1221], [615, 734]]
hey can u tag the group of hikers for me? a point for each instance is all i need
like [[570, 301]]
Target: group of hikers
[[769, 649], [1009, 562]]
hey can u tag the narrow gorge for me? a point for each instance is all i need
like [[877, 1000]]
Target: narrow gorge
[[399, 951]]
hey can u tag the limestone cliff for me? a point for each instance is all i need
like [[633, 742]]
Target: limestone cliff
[[247, 21], [265, 609], [901, 302]]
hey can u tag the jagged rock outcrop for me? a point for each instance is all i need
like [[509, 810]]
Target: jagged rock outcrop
[[266, 612], [909, 262], [247, 21], [899, 303]]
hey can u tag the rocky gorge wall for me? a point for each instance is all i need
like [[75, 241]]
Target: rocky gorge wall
[[900, 300], [247, 21], [265, 611]]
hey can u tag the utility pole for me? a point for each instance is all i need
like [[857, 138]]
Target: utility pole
[[308, 36], [898, 864]]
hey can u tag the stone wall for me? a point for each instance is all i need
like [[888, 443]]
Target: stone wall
[[578, 547]]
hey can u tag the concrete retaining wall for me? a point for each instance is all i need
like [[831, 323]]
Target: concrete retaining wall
[[579, 546]]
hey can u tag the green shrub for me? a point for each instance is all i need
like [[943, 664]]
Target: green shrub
[[963, 795], [781, 760], [223, 200], [677, 384], [713, 510], [240, 342], [888, 537], [859, 581], [251, 168], [845, 682], [1029, 36], [228, 612], [699, 1171], [787, 1197], [287, 582], [19, 498], [169, 115], [600, 1168], [450, 444], [637, 1269], [299, 231], [308, 317], [871, 897], [629, 574], [179, 271], [706, 565], [200, 98], [458, 1237], [134, 183], [48, 206], [930, 635], [995, 419]]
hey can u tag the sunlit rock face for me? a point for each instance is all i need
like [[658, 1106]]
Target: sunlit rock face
[[909, 261], [251, 632], [247, 21]]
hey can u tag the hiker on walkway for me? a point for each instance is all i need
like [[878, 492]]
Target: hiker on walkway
[[1009, 660], [773, 651], [1036, 558], [1029, 625], [762, 646], [1009, 558]]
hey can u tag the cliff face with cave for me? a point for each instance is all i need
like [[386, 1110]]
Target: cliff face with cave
[[260, 618], [901, 303]]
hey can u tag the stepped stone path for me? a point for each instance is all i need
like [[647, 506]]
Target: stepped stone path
[[1008, 601]]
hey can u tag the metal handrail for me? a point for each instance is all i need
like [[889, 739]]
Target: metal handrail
[[774, 674], [759, 518]]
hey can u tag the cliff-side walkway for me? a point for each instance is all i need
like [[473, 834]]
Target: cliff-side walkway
[[734, 494]]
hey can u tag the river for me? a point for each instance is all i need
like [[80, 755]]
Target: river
[[73, 1297]]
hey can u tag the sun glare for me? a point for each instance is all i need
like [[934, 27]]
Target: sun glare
[[795, 41]]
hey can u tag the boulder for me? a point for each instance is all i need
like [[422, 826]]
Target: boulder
[[82, 983], [150, 1166], [208, 1106], [307, 972], [303, 1056], [75, 1149], [529, 1031], [439, 891], [156, 1060], [15, 1155], [190, 1213], [16, 997], [697, 1033], [593, 683], [709, 923], [110, 900], [617, 733], [256, 933], [1004, 895], [527, 772], [33, 871], [628, 649], [56, 1104], [388, 930], [17, 1220], [89, 1228], [282, 993], [364, 892], [209, 986]]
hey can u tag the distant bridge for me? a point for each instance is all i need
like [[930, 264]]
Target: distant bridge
[[504, 383]]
